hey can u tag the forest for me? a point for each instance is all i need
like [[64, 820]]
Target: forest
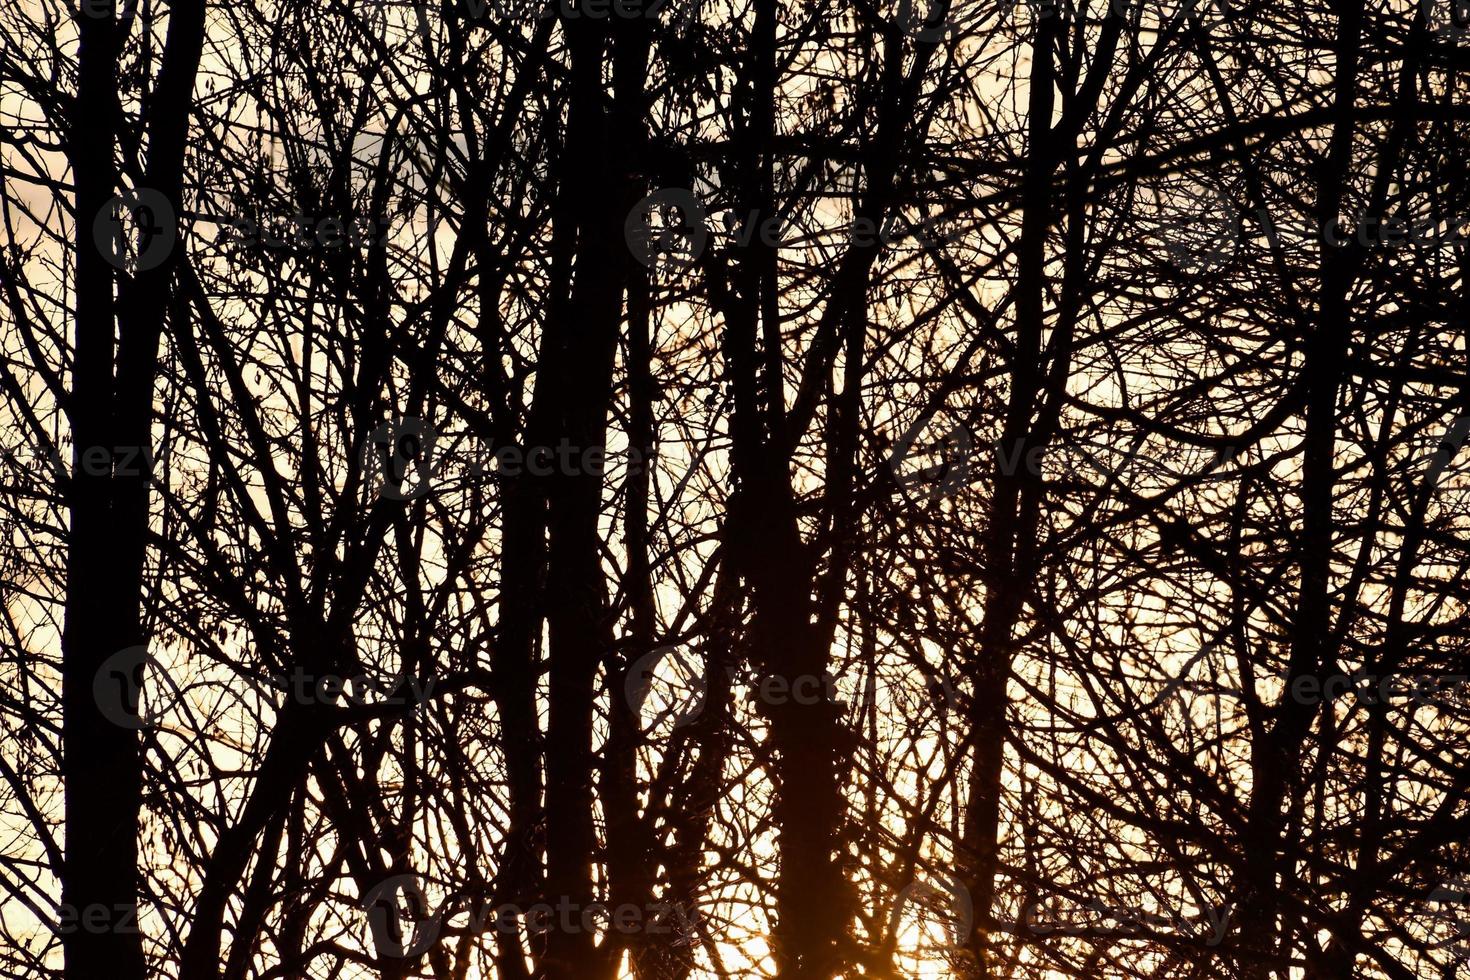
[[693, 489]]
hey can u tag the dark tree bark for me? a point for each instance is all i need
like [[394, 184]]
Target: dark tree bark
[[111, 412]]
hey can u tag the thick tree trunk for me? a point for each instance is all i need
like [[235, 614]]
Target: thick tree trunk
[[112, 418]]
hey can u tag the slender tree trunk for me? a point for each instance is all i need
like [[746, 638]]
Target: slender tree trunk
[[630, 847], [579, 629], [1006, 584], [100, 758], [1277, 758]]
